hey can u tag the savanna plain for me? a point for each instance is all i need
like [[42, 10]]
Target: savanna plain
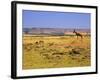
[[55, 51]]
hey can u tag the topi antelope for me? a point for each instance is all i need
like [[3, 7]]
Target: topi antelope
[[78, 34]]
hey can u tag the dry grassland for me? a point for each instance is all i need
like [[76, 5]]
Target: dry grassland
[[55, 52]]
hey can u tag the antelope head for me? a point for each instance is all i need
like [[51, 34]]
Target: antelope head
[[74, 31]]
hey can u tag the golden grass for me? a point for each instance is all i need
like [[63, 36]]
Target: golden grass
[[55, 52]]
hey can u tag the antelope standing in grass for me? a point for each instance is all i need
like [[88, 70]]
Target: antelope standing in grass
[[78, 34]]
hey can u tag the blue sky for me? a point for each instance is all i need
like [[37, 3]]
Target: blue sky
[[50, 19]]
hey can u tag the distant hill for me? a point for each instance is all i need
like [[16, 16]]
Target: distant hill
[[59, 31]]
